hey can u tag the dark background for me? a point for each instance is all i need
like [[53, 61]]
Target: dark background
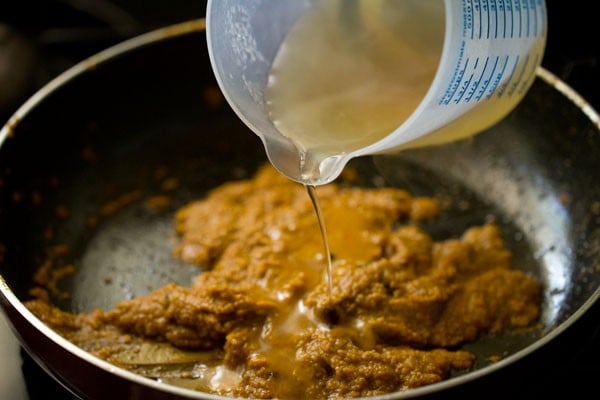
[[41, 38]]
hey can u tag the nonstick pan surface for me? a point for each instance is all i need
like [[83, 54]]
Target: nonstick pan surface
[[121, 124]]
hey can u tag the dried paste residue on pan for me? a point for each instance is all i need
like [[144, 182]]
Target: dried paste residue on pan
[[262, 322]]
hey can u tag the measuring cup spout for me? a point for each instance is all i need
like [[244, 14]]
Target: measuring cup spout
[[301, 166]]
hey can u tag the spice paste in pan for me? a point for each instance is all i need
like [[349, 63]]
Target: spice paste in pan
[[263, 321]]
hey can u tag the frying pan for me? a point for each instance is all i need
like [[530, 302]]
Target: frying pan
[[147, 109]]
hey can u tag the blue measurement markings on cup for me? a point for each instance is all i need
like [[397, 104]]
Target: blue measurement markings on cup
[[475, 78]]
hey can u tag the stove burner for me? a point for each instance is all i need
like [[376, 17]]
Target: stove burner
[[39, 384]]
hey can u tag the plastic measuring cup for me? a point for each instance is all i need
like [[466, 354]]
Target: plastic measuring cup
[[487, 58]]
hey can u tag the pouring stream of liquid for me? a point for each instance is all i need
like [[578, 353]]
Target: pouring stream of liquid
[[312, 193]]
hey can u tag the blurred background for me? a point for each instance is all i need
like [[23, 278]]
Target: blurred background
[[39, 39]]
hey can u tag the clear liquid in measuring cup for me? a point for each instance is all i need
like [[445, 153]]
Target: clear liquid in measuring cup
[[349, 73]]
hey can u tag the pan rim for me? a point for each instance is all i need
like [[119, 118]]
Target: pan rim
[[199, 25]]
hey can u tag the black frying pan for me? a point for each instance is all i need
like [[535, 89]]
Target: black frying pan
[[105, 127]]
